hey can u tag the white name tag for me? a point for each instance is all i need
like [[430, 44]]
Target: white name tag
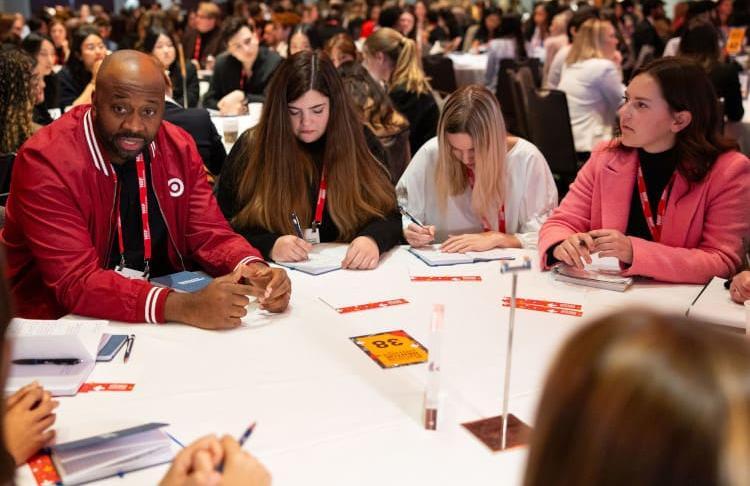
[[130, 273], [312, 236]]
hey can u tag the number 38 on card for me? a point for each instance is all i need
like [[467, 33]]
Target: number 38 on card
[[392, 349]]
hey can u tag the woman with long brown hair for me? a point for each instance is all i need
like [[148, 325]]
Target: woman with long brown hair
[[638, 398], [309, 156]]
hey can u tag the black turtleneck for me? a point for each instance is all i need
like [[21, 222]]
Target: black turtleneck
[[657, 171]]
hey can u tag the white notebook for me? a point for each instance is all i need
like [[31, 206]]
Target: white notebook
[[112, 453], [35, 339], [715, 305], [602, 273], [434, 257], [316, 264]]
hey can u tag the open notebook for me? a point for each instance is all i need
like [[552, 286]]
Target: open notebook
[[61, 339], [433, 257], [602, 273], [714, 304], [113, 453], [316, 264]]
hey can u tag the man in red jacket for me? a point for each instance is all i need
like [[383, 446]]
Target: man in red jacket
[[110, 193]]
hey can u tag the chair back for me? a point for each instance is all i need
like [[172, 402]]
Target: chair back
[[439, 69]]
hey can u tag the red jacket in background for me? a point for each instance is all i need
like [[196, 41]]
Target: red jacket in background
[[60, 224]]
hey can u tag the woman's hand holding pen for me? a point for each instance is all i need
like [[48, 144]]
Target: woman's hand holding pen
[[27, 421], [197, 463], [739, 289], [290, 248], [575, 248], [419, 236]]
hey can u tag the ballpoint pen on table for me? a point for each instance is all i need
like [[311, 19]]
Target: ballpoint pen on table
[[129, 348], [45, 361]]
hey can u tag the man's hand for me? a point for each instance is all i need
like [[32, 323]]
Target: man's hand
[[28, 420], [271, 285], [220, 305]]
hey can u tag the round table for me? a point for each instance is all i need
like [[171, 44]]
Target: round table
[[326, 413]]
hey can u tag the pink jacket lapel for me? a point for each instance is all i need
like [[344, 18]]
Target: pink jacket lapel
[[617, 180]]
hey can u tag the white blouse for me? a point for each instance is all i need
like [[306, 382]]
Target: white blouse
[[531, 195]]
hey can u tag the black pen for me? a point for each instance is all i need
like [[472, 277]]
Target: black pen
[[406, 213], [295, 224], [44, 361], [131, 341], [246, 435]]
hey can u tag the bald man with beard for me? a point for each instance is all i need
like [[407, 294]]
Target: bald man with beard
[[110, 195]]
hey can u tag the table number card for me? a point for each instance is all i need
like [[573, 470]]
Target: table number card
[[391, 349]]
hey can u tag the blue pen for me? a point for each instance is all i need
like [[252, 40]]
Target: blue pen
[[242, 440]]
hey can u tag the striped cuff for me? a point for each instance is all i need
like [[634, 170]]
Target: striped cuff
[[250, 259], [156, 300]]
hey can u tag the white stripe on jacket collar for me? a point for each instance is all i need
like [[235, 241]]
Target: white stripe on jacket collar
[[96, 154]]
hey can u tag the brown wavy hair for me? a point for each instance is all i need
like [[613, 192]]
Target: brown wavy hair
[[639, 398], [280, 171], [16, 99], [685, 86]]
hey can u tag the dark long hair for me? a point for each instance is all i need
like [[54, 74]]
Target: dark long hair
[[280, 171], [75, 63], [685, 86], [638, 398], [700, 42]]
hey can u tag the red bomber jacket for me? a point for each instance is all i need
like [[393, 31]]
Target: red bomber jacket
[[61, 220]]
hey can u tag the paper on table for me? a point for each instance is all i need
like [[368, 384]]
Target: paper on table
[[433, 256], [350, 300], [489, 255], [603, 264], [715, 305], [89, 332]]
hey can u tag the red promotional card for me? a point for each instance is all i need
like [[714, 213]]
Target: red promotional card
[[446, 278], [343, 307], [113, 387], [43, 470], [550, 307]]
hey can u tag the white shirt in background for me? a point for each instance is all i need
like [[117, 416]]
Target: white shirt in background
[[556, 67], [531, 195], [594, 91]]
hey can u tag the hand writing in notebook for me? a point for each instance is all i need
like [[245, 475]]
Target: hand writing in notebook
[[28, 421], [419, 236], [479, 242], [196, 465], [290, 248]]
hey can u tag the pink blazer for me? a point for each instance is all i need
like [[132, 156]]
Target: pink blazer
[[703, 225]]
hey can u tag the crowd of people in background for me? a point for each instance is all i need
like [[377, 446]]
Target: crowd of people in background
[[352, 134]]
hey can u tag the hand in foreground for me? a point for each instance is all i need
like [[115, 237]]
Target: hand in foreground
[[220, 305], [739, 289], [418, 236], [612, 243], [575, 250], [479, 242], [233, 103], [271, 286], [28, 420], [363, 254], [290, 248]]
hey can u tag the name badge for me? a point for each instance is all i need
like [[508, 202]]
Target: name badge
[[130, 273], [312, 236]]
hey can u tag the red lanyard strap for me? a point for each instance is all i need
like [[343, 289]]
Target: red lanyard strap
[[500, 213], [654, 226], [140, 166], [321, 200]]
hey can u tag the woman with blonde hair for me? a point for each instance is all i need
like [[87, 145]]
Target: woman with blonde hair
[[393, 60], [309, 156], [641, 398], [474, 187], [592, 82]]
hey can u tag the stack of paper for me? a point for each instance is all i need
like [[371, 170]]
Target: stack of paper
[[112, 453], [602, 273], [51, 340]]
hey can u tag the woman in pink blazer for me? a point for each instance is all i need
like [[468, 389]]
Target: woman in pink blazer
[[670, 198]]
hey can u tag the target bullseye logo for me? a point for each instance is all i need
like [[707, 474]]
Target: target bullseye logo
[[176, 187]]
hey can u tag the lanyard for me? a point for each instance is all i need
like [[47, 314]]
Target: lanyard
[[654, 226], [321, 200], [197, 48], [140, 166], [500, 213]]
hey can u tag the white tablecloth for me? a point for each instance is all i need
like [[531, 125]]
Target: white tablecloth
[[469, 68], [326, 413]]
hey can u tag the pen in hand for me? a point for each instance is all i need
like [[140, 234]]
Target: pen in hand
[[406, 213], [295, 224], [246, 435]]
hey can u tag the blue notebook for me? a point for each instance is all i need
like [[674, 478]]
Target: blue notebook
[[111, 454], [187, 282]]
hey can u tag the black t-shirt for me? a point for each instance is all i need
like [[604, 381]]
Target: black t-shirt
[[132, 228], [657, 171]]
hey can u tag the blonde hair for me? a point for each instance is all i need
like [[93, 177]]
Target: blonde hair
[[589, 41], [407, 70], [473, 110]]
